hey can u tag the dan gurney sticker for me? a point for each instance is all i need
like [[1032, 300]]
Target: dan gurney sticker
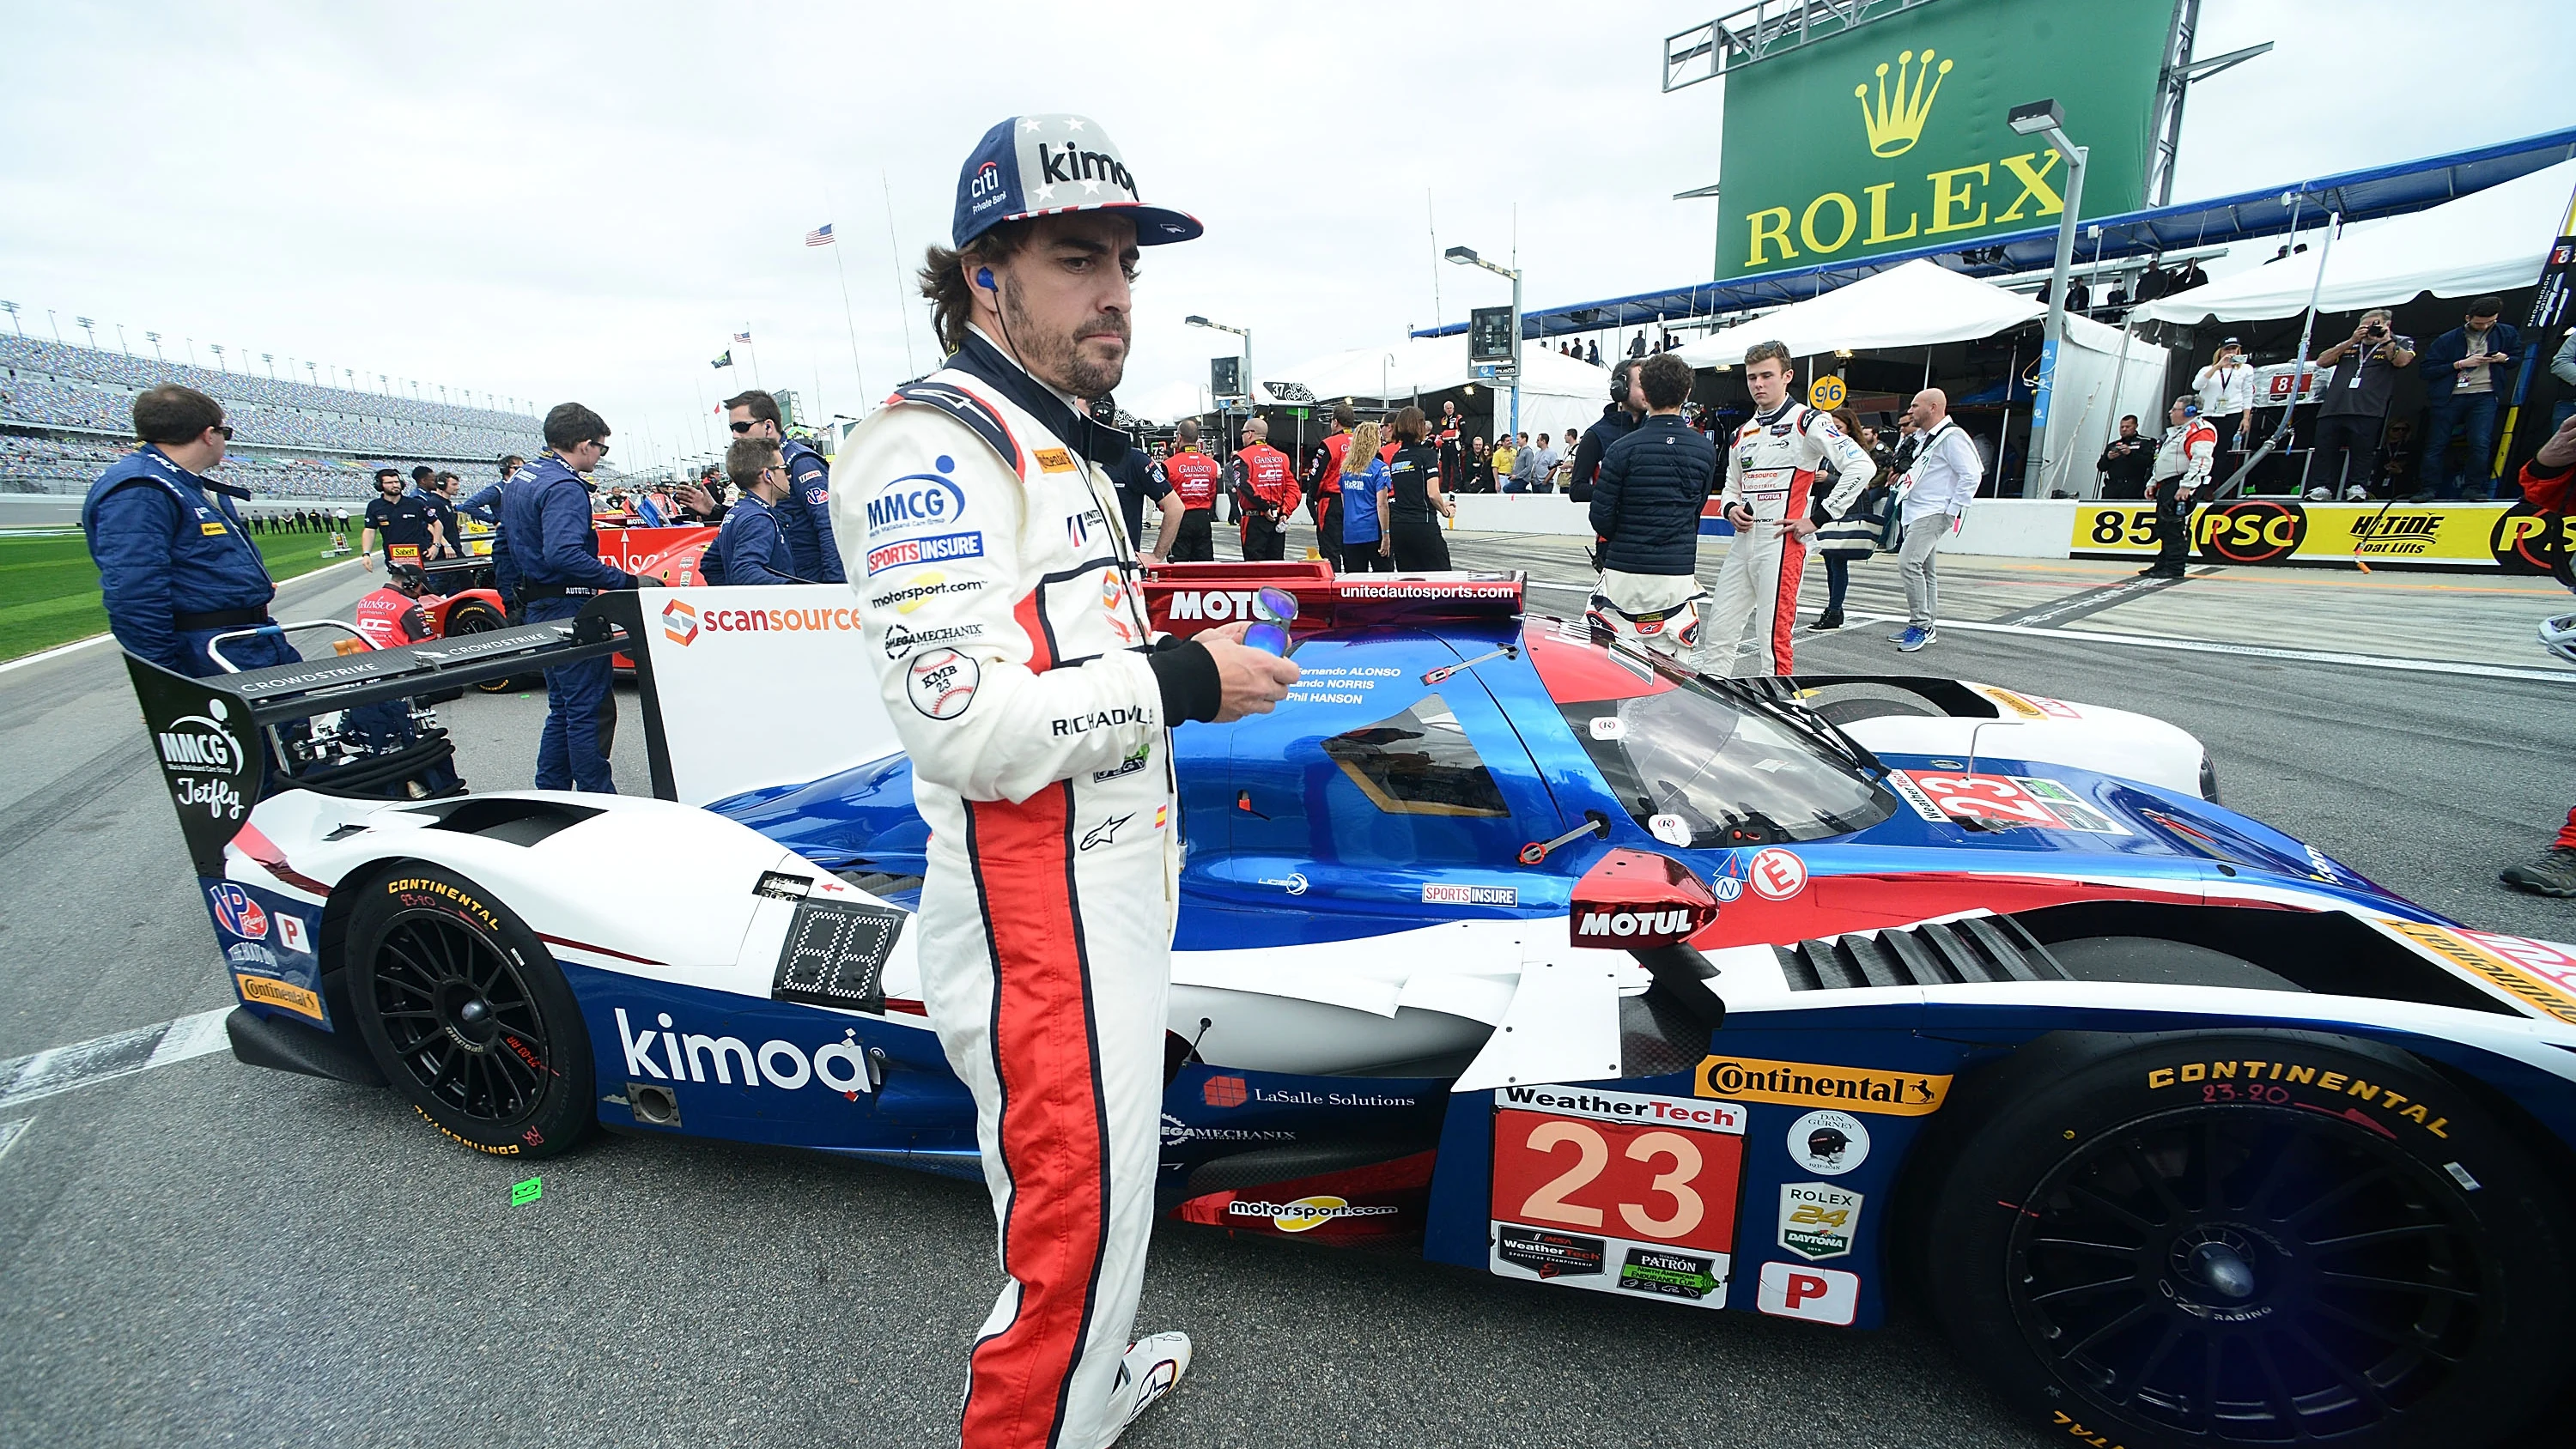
[[942, 683]]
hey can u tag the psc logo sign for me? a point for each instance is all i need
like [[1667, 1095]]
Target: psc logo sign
[[2254, 531], [2528, 541]]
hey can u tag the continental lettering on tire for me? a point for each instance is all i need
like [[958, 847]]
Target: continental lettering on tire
[[2260, 1081], [2083, 1435], [420, 891], [500, 1149], [1806, 1084]]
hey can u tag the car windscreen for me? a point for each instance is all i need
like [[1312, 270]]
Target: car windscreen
[[1687, 761]]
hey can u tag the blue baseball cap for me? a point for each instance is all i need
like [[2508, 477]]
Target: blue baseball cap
[[1040, 165]]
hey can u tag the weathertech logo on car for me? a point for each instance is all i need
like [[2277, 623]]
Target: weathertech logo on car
[[1804, 1084]]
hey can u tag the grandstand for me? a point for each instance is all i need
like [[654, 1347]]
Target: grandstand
[[66, 412]]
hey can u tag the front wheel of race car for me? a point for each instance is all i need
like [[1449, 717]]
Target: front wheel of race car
[[467, 1014], [2250, 1239], [473, 616]]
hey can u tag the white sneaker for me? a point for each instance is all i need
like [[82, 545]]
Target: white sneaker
[[1152, 1368]]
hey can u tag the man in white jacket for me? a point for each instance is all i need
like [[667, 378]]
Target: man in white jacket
[[1932, 497], [1005, 622]]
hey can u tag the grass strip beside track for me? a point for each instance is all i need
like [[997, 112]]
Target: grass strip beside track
[[49, 588]]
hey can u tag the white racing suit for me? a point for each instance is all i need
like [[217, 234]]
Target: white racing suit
[[1004, 621], [1650, 611], [1772, 468]]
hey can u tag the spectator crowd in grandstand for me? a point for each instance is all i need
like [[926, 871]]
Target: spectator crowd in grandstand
[[57, 387]]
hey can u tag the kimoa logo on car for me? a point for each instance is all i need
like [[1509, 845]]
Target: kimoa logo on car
[[841, 1066]]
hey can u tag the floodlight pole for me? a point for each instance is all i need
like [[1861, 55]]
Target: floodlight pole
[[2047, 118], [1249, 396], [1466, 256]]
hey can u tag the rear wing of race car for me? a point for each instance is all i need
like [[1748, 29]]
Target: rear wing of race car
[[218, 739]]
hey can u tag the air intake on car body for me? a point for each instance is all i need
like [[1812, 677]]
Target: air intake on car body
[[1936, 953]]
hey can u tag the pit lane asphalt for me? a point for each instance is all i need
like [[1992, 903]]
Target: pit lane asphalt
[[205, 1253]]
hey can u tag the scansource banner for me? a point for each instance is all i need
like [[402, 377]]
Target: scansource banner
[[2518, 539], [1892, 137]]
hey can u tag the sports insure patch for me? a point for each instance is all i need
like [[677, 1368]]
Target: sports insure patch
[[1618, 1192], [1818, 1219], [1470, 895]]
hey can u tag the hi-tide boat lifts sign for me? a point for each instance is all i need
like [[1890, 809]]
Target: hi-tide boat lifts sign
[[1892, 137]]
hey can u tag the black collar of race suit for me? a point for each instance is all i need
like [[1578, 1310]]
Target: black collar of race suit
[[1776, 414], [1096, 441]]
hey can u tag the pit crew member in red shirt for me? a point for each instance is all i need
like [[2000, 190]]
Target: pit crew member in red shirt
[[1265, 494], [1021, 677], [2183, 462], [1194, 478], [1323, 480]]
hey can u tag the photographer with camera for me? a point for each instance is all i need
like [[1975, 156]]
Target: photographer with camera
[[2353, 412]]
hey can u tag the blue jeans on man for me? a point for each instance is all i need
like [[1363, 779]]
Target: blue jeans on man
[[581, 714], [2473, 416]]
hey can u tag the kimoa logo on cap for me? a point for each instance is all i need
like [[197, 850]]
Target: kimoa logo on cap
[[1070, 163]]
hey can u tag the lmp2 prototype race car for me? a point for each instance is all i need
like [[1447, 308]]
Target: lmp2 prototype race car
[[1556, 961]]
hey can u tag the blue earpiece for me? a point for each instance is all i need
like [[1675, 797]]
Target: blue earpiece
[[984, 278]]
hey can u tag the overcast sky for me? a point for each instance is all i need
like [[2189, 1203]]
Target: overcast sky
[[574, 201]]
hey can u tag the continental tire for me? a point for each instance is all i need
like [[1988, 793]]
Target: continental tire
[[2249, 1238], [467, 1015]]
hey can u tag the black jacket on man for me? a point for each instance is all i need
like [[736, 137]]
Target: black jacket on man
[[1646, 502], [1616, 423]]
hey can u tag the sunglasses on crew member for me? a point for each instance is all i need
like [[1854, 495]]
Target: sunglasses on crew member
[[226, 429], [739, 427]]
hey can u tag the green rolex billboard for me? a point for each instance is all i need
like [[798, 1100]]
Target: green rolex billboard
[[1892, 138]]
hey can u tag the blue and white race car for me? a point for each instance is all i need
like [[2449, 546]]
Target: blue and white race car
[[1560, 962]]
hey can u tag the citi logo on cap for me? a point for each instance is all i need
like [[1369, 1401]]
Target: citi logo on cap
[[987, 181]]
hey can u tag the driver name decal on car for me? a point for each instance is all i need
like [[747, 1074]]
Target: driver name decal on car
[[1584, 1176], [839, 1066], [1805, 1084], [2537, 975]]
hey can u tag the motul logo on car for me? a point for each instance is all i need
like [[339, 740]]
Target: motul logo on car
[[1213, 604], [1634, 923], [841, 1065]]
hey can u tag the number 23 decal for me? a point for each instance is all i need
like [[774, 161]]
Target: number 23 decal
[[1991, 796], [1660, 1184]]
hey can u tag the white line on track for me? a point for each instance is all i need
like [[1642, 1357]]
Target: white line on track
[[10, 1132], [66, 1068]]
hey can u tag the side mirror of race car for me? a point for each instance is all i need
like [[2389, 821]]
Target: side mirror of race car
[[1650, 906]]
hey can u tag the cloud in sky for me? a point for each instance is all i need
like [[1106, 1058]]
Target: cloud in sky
[[589, 200]]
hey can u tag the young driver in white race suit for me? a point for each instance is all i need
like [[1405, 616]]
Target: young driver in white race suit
[[1773, 467], [978, 521]]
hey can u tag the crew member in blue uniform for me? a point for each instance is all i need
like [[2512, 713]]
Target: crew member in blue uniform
[[806, 514], [174, 562], [485, 507], [547, 510], [750, 547]]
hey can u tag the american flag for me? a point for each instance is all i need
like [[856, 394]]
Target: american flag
[[743, 337], [820, 236]]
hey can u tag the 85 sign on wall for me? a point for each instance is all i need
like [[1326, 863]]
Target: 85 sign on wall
[[1616, 1191]]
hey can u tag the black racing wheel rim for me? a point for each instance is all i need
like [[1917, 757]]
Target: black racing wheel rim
[[460, 1018], [2251, 1275]]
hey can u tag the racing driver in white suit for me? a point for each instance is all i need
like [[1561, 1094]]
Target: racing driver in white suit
[[979, 524], [1772, 468]]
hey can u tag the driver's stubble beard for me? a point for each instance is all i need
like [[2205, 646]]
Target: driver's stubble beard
[[1052, 356]]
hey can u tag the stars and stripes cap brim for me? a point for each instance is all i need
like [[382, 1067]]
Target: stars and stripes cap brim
[[1030, 166]]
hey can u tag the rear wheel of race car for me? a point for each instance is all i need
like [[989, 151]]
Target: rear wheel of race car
[[2250, 1238], [473, 616], [467, 1015]]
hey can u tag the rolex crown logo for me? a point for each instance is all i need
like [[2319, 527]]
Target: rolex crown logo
[[1897, 121]]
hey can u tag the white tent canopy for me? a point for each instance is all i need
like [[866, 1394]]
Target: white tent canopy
[[2083, 413], [2488, 241], [1913, 305]]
